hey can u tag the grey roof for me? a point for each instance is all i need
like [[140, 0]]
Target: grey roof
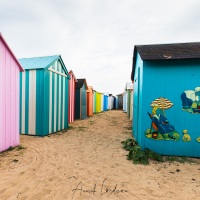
[[169, 51], [80, 83], [176, 51]]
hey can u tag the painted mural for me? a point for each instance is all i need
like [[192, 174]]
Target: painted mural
[[160, 127], [191, 101], [191, 104]]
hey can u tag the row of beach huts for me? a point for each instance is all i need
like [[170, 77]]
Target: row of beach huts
[[40, 96]]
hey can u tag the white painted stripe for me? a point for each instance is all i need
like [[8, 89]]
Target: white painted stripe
[[23, 88], [55, 101], [56, 68], [63, 105], [59, 100], [50, 102], [32, 102]]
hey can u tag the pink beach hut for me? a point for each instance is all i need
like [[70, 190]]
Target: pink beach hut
[[71, 102], [9, 97]]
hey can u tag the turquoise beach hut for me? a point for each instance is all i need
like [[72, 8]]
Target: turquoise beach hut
[[167, 98], [81, 99], [43, 95]]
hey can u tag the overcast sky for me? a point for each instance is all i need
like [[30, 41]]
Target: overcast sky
[[96, 38]]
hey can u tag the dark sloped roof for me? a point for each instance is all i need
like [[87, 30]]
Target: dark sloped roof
[[80, 83], [175, 51], [169, 51]]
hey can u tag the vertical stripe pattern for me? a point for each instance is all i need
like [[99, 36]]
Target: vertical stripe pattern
[[50, 101], [43, 101], [32, 102]]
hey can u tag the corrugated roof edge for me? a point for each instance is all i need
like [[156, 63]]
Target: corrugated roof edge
[[57, 57], [4, 41], [35, 61]]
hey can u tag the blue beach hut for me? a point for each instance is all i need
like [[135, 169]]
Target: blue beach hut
[[105, 102], [43, 95], [167, 98]]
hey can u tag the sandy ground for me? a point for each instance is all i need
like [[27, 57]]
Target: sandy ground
[[87, 162]]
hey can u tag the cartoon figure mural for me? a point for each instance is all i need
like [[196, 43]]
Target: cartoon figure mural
[[186, 137], [191, 100], [161, 129]]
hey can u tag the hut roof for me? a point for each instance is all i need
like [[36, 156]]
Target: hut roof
[[9, 49], [41, 62], [174, 51], [71, 73], [80, 83]]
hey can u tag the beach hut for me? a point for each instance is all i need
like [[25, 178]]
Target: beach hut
[[98, 102], [128, 88], [131, 104], [81, 99], [94, 101], [125, 101], [105, 102], [71, 103], [90, 101], [43, 95], [102, 101], [9, 97], [119, 102], [110, 102], [167, 98], [114, 102]]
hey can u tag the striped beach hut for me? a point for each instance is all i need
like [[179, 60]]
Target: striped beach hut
[[71, 109], [89, 101], [81, 99], [9, 97], [43, 95]]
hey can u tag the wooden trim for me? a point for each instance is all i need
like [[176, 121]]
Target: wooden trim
[[55, 71]]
